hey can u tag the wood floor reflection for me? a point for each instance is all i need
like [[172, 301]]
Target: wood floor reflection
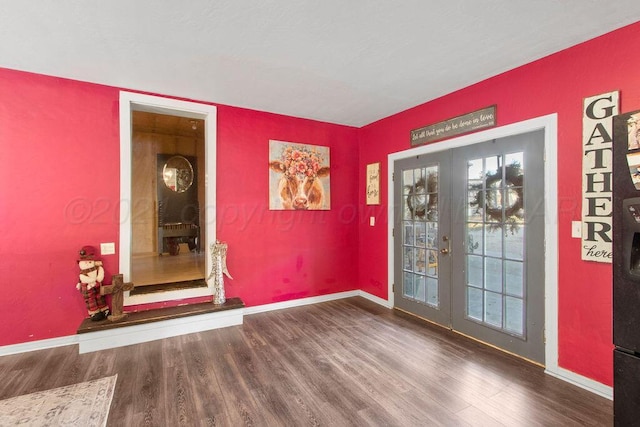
[[154, 269]]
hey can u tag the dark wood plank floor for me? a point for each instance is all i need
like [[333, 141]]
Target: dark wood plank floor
[[341, 363]]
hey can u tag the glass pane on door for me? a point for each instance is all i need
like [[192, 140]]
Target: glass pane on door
[[494, 250], [420, 235]]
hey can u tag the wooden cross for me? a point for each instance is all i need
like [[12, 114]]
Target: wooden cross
[[116, 289]]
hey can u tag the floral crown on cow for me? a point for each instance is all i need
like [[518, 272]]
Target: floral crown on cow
[[301, 161]]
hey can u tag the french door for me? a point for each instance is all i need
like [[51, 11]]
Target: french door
[[469, 241]]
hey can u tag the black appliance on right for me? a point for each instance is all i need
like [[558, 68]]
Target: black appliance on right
[[626, 269]]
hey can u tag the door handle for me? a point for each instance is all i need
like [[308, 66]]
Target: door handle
[[447, 250]]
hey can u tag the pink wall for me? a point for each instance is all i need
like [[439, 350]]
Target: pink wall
[[283, 255], [60, 191], [60, 174], [60, 152], [555, 84]]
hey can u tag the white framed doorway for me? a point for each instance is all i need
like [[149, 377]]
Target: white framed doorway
[[130, 101], [470, 254], [549, 126]]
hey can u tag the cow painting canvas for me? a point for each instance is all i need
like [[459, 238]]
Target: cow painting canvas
[[298, 176]]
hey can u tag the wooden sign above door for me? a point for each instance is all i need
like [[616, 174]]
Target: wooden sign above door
[[480, 119]]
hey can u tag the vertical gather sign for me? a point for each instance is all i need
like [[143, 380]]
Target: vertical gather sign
[[597, 207]]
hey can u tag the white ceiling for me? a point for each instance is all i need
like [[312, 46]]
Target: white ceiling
[[342, 61]]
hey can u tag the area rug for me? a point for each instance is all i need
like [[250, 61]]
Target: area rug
[[83, 404]]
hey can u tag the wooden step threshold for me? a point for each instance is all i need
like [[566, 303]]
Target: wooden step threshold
[[149, 325]]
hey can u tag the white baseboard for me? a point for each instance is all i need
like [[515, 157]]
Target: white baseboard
[[128, 335], [380, 301], [26, 347], [582, 382], [118, 337], [299, 302], [315, 300]]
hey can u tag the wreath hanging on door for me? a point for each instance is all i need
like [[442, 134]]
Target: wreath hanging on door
[[493, 203], [422, 197]]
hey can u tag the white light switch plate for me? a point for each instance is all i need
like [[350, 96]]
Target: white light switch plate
[[372, 221], [107, 248], [576, 229]]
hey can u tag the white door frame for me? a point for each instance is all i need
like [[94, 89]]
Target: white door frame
[[130, 101], [549, 124]]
